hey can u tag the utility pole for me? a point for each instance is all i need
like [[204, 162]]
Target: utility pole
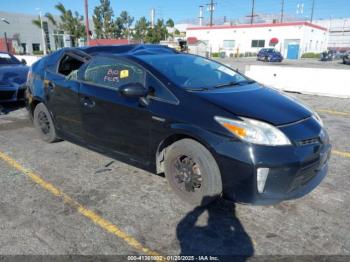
[[6, 44], [312, 11], [5, 35], [153, 14], [252, 15], [87, 27], [282, 11], [200, 15], [42, 32], [211, 9]]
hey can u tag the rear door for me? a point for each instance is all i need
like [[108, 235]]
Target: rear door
[[111, 120], [62, 93]]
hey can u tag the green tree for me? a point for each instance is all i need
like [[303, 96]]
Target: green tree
[[125, 21], [170, 23], [71, 23], [104, 24], [141, 29]]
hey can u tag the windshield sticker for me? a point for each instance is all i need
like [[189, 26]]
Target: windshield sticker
[[112, 75], [227, 70], [124, 74], [7, 56]]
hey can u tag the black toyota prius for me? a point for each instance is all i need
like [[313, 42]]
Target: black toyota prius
[[212, 131]]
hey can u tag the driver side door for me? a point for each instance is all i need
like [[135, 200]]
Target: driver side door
[[110, 120]]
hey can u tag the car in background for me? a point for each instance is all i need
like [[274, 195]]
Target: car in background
[[212, 131], [13, 76], [269, 55], [346, 58]]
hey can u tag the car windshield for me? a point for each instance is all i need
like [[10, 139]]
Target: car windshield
[[194, 72], [7, 59]]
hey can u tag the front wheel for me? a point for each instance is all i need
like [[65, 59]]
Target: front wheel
[[192, 172], [43, 124]]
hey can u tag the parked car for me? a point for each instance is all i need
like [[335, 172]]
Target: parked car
[[13, 75], [346, 58], [269, 55], [212, 131]]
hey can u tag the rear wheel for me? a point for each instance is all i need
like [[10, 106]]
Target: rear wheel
[[43, 124], [192, 172]]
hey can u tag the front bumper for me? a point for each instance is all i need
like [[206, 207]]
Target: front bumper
[[294, 171], [12, 94]]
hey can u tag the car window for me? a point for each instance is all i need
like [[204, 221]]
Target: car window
[[69, 65], [113, 72], [192, 72], [159, 91]]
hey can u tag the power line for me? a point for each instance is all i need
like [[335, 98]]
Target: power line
[[312, 11], [211, 9], [252, 13]]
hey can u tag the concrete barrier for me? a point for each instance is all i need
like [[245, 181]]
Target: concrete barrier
[[317, 81], [30, 59]]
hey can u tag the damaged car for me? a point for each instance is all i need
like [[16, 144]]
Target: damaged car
[[212, 131]]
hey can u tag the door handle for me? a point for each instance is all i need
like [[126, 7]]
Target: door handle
[[87, 102]]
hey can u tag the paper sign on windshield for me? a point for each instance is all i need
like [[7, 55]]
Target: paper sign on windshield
[[124, 74]]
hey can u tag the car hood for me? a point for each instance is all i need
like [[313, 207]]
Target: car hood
[[13, 75], [258, 102]]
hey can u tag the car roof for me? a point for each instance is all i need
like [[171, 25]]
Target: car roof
[[131, 49]]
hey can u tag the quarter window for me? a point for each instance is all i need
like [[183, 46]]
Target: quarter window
[[159, 91], [113, 73], [258, 43]]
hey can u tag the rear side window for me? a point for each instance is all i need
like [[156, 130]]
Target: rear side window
[[69, 66], [113, 72]]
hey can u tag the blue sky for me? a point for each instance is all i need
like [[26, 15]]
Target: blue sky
[[187, 9]]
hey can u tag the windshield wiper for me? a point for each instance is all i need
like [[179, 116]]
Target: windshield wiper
[[197, 89], [227, 84], [234, 83]]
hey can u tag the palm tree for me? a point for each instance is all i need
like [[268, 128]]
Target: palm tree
[[71, 23]]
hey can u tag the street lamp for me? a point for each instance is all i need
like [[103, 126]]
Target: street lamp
[[5, 36], [42, 31]]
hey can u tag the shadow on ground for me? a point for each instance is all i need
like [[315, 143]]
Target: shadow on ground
[[6, 108], [222, 234]]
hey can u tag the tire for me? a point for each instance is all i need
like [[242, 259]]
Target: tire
[[266, 59], [44, 125], [203, 179]]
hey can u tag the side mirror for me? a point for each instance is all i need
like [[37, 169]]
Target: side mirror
[[23, 61], [134, 90]]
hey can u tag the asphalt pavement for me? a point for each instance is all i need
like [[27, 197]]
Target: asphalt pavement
[[62, 199]]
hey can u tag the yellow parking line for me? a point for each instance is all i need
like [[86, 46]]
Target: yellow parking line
[[98, 220], [333, 112], [339, 153]]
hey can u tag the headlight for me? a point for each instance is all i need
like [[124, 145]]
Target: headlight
[[254, 131], [317, 118]]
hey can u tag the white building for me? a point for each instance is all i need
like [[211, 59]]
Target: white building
[[291, 38], [339, 32]]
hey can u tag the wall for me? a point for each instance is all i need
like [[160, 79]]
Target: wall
[[22, 24], [317, 81], [339, 32], [30, 59], [243, 36]]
